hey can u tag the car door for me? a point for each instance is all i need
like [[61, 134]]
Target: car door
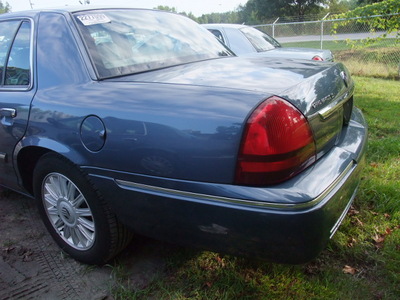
[[16, 91]]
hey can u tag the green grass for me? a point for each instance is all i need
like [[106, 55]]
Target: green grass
[[368, 242]]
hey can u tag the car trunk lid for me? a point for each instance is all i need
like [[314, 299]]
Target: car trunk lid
[[321, 91], [326, 99]]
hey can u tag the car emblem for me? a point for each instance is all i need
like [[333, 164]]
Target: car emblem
[[345, 78], [322, 101]]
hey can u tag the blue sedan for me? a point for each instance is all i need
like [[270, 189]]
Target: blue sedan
[[131, 121]]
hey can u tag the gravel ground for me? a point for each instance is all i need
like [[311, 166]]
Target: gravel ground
[[33, 267]]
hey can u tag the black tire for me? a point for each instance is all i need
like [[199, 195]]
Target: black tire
[[75, 214]]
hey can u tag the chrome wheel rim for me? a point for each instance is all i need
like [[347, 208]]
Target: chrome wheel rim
[[68, 211]]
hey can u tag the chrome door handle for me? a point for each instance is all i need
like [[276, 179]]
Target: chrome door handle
[[8, 112]]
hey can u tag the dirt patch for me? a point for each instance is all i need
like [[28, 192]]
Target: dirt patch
[[33, 267]]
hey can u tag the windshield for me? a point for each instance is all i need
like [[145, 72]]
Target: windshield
[[261, 41], [128, 41]]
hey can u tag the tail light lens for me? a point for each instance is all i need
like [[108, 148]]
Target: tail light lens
[[277, 144], [317, 58]]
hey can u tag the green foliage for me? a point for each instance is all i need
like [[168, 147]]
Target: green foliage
[[270, 8], [340, 6], [166, 8], [389, 22], [227, 17], [366, 2], [386, 7], [261, 11], [264, 11], [4, 8]]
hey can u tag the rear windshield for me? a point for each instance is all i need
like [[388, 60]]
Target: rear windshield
[[126, 41], [261, 41]]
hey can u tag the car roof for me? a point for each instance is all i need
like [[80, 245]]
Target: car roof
[[62, 9], [224, 25]]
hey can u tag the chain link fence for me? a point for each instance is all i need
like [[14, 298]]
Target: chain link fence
[[355, 42]]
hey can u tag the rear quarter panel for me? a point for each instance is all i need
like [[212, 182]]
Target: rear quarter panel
[[194, 130]]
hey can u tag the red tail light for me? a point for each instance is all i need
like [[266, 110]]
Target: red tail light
[[317, 58], [276, 145]]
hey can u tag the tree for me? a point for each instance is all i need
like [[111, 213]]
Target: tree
[[4, 8], [366, 2], [227, 17], [189, 15], [166, 8], [248, 14], [173, 9], [340, 6], [389, 21], [266, 9]]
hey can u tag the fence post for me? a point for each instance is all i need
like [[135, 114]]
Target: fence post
[[322, 29], [273, 28]]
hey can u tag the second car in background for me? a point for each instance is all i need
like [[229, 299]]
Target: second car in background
[[246, 40]]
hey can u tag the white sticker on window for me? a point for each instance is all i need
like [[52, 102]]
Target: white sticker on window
[[94, 19]]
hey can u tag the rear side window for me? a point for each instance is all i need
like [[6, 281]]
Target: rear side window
[[15, 53], [257, 39], [7, 33], [218, 34]]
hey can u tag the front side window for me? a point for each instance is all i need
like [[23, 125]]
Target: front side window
[[122, 42], [260, 41]]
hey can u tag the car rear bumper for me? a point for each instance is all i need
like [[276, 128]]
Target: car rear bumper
[[289, 222]]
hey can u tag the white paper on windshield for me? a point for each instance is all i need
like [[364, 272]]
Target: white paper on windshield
[[93, 19]]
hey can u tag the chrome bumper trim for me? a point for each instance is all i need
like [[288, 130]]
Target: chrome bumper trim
[[343, 215], [3, 157], [255, 203]]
